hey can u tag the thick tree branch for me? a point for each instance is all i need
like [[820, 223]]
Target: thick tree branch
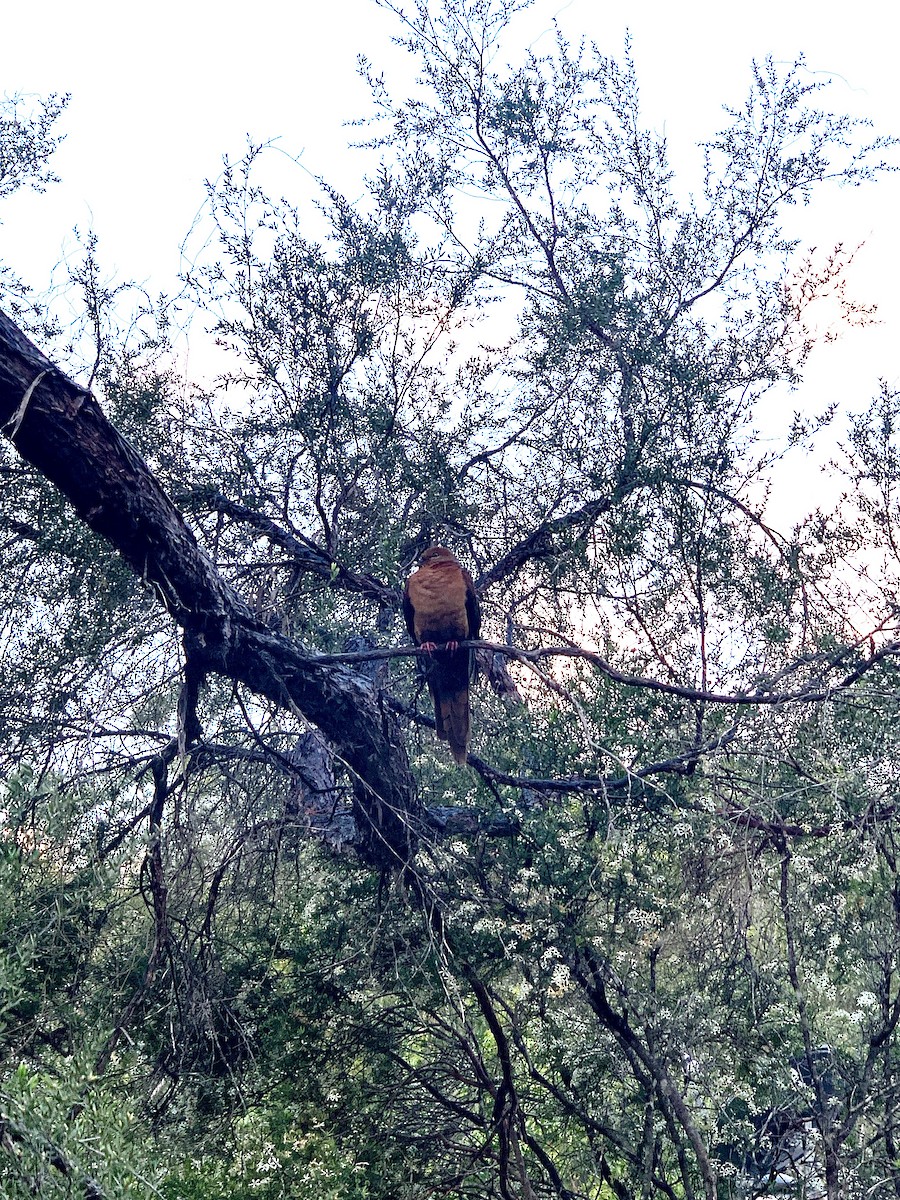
[[60, 429]]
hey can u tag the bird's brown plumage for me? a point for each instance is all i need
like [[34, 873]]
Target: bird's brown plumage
[[441, 608]]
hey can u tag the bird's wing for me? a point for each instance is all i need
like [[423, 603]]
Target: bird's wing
[[473, 608]]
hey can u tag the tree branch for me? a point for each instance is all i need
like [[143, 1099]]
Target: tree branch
[[59, 428], [305, 554]]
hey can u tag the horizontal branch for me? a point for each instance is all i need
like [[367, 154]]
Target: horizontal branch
[[679, 764], [763, 694]]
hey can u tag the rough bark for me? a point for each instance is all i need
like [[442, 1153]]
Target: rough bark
[[60, 429]]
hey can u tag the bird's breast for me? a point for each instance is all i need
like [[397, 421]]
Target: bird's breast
[[438, 597]]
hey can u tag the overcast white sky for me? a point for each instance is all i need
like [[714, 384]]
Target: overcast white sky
[[160, 92]]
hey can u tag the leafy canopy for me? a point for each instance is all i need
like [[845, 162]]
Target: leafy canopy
[[647, 942]]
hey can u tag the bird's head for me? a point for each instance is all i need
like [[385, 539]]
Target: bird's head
[[437, 554]]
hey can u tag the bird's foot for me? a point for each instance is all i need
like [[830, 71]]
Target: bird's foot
[[451, 647], [428, 647]]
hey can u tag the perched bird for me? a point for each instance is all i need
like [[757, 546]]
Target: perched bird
[[441, 609]]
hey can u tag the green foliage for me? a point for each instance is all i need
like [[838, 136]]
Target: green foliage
[[648, 943], [27, 141], [67, 1136]]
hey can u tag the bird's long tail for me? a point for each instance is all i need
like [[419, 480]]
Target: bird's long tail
[[451, 716], [447, 673]]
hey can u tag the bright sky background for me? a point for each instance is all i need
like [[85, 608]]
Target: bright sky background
[[160, 92]]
